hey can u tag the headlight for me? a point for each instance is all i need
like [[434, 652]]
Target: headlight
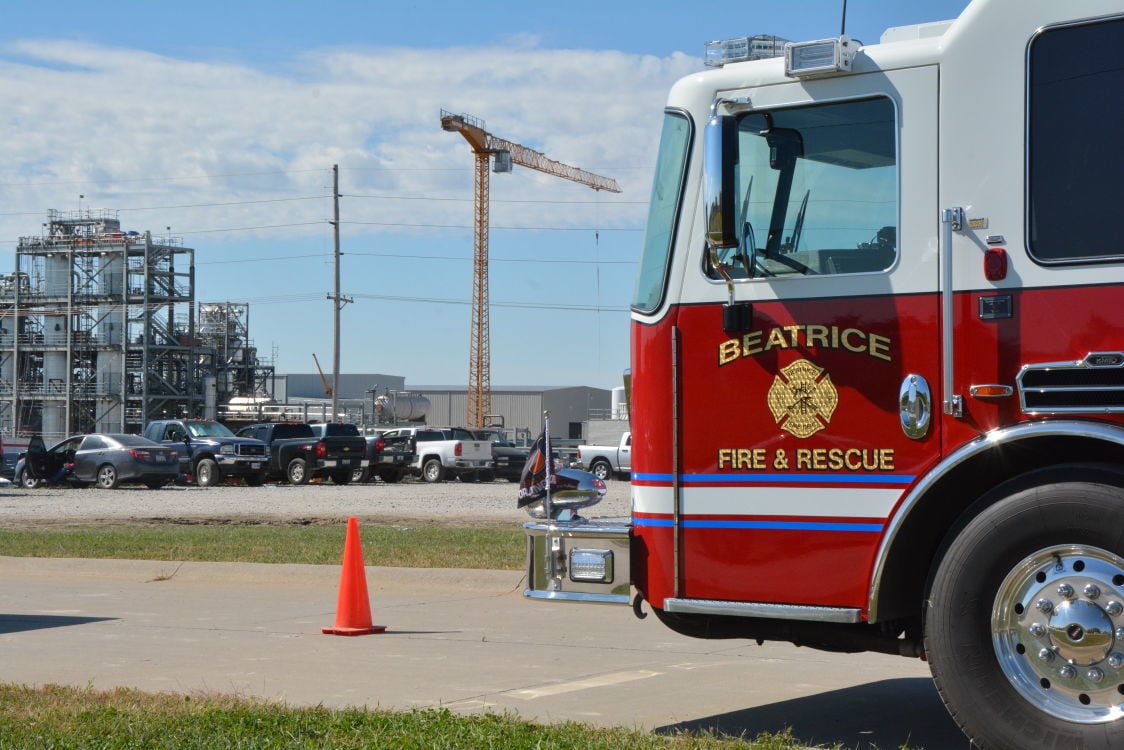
[[226, 449]]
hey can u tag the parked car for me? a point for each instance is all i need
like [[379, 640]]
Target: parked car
[[103, 459], [298, 454], [508, 458], [607, 461], [445, 452], [209, 452]]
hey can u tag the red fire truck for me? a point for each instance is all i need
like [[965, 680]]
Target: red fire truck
[[877, 379]]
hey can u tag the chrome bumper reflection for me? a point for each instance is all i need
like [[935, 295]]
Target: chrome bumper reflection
[[582, 561]]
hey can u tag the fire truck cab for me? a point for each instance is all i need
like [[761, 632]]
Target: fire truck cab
[[877, 378]]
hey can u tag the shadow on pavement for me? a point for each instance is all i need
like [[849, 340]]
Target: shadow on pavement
[[888, 714], [19, 623]]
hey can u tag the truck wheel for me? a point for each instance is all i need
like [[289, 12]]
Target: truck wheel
[[1022, 623], [28, 482], [360, 475], [433, 471], [297, 472], [207, 473], [341, 477], [390, 476], [487, 475], [601, 469], [469, 476]]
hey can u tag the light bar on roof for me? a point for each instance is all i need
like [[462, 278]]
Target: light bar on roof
[[818, 58], [739, 49]]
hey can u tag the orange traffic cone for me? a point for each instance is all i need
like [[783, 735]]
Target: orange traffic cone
[[353, 610]]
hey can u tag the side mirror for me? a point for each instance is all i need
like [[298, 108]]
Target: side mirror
[[720, 158]]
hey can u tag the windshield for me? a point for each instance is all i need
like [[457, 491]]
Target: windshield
[[208, 429], [816, 190], [663, 209]]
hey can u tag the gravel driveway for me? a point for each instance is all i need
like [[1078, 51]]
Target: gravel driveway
[[451, 503]]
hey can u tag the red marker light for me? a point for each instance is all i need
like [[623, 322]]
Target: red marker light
[[995, 264]]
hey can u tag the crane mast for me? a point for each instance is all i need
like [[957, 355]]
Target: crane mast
[[485, 147]]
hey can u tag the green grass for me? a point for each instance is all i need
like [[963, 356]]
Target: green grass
[[63, 717], [418, 546]]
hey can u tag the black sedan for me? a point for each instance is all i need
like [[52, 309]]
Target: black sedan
[[106, 460]]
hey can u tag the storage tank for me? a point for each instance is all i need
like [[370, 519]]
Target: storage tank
[[56, 274], [401, 407]]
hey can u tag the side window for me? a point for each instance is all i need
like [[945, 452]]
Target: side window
[[817, 191], [1074, 152], [92, 443], [663, 212]]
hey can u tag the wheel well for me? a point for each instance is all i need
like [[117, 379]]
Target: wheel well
[[199, 457], [958, 497]]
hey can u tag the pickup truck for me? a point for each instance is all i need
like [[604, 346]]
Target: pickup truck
[[388, 460], [209, 452], [446, 451], [605, 461], [508, 459], [298, 454]]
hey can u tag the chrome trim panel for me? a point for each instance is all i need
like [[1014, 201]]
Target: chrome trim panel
[[576, 596], [1093, 385], [1047, 428], [763, 609]]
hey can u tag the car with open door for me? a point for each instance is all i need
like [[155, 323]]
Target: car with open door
[[106, 460]]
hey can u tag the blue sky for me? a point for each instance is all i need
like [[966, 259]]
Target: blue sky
[[222, 121]]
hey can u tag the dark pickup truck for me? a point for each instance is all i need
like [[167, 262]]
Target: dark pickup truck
[[387, 458], [209, 452], [297, 453], [508, 458]]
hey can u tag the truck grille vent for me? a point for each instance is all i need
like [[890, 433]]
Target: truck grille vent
[[248, 449], [1093, 384]]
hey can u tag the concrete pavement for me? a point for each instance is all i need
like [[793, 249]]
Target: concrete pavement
[[464, 640]]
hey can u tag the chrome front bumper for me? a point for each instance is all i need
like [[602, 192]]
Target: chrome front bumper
[[579, 561]]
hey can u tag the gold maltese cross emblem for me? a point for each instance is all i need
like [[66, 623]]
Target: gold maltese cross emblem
[[801, 401]]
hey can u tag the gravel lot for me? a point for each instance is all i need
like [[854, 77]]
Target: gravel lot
[[450, 503]]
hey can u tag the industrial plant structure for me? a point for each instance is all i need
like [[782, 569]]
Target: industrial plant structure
[[100, 332]]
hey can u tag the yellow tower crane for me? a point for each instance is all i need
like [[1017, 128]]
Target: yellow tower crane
[[485, 147]]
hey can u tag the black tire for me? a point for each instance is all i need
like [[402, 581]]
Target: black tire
[[107, 478], [297, 472], [472, 477], [207, 473], [487, 475], [601, 469], [28, 482], [391, 476], [341, 477], [432, 470], [1013, 670], [360, 475], [255, 480]]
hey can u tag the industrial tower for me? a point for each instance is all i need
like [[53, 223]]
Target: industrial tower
[[485, 146], [98, 332]]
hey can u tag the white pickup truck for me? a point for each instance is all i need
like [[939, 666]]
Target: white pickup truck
[[607, 461], [443, 452]]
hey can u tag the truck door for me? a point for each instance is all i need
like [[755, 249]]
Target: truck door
[[801, 428]]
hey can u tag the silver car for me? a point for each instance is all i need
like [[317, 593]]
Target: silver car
[[103, 459]]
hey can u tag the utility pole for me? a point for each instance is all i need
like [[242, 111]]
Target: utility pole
[[337, 301]]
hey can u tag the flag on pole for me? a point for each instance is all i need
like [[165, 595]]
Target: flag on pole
[[534, 482]]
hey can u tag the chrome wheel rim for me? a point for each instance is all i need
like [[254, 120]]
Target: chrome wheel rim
[[1057, 627], [106, 476]]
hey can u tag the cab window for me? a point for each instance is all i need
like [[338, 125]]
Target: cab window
[[1074, 152], [817, 191]]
